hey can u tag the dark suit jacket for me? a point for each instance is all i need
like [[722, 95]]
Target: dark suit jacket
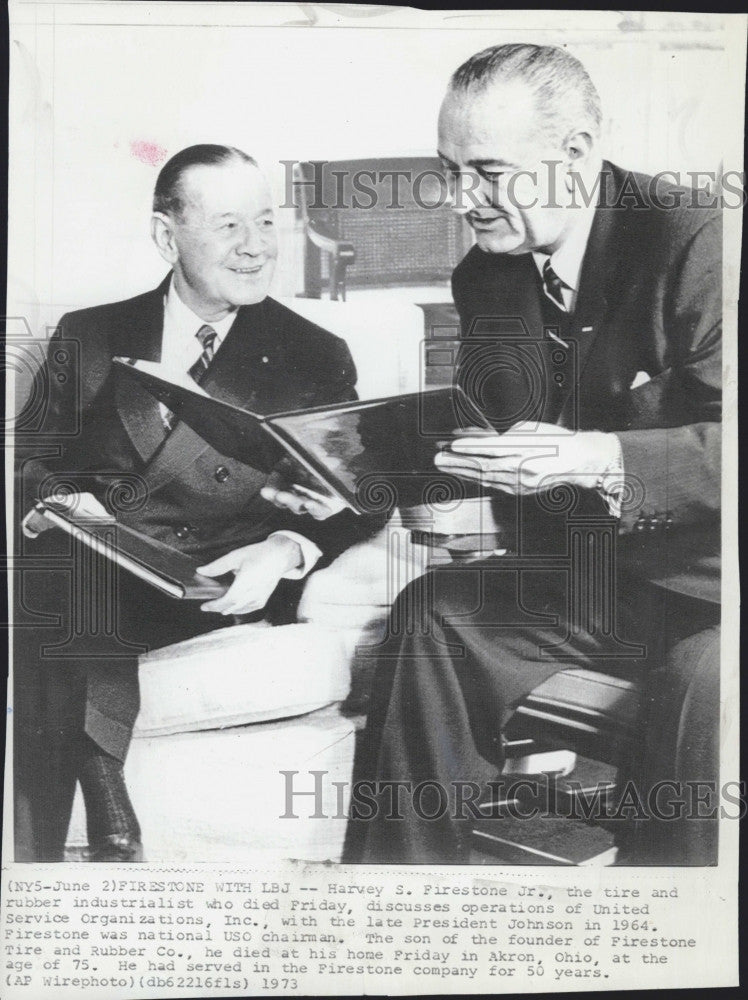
[[177, 488], [650, 300]]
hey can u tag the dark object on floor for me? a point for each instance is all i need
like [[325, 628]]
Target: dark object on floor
[[117, 850]]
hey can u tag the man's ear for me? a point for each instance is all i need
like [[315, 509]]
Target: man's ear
[[162, 234], [579, 145], [579, 148]]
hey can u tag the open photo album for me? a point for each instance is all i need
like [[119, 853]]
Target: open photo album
[[347, 451]]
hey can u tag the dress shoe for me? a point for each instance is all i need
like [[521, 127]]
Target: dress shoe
[[117, 849], [559, 762]]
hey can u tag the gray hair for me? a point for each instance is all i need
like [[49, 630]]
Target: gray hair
[[565, 96]]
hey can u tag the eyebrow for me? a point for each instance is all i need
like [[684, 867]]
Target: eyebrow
[[492, 163], [487, 162], [231, 215]]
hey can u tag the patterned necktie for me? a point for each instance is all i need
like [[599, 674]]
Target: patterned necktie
[[207, 337], [553, 285]]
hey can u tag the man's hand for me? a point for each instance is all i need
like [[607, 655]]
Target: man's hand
[[81, 504], [532, 457], [298, 499], [257, 570]]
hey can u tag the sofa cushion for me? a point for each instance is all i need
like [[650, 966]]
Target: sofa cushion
[[243, 674], [358, 588], [222, 796]]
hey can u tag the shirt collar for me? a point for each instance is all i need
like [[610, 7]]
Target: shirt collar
[[566, 261], [180, 317]]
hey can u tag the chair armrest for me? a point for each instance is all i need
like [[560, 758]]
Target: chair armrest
[[322, 238], [342, 253], [593, 713]]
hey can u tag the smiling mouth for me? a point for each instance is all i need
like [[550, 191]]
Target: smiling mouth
[[247, 270]]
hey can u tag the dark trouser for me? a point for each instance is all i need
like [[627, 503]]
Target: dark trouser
[[681, 745], [80, 626], [77, 678], [465, 645]]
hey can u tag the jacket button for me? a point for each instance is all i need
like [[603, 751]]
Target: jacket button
[[182, 531], [221, 474], [653, 524]]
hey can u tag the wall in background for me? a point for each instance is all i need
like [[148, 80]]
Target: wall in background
[[97, 107]]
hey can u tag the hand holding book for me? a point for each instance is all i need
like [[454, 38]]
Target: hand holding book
[[534, 457], [336, 456], [257, 569], [84, 505], [299, 499], [82, 517]]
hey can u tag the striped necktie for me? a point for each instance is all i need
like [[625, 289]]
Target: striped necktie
[[553, 285], [207, 337]]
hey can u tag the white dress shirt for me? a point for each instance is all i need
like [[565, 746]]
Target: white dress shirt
[[566, 261], [180, 349]]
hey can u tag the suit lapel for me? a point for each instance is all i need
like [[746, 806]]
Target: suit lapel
[[598, 274], [227, 378], [139, 336], [599, 286], [238, 364], [494, 364], [516, 297]]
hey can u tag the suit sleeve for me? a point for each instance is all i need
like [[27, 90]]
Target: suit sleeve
[[675, 469]]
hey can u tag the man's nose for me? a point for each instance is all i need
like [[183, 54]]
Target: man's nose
[[251, 240]]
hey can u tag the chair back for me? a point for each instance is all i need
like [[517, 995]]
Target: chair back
[[391, 214]]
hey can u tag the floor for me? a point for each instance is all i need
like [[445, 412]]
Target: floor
[[512, 840], [546, 840]]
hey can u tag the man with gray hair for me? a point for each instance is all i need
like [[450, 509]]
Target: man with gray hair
[[591, 327]]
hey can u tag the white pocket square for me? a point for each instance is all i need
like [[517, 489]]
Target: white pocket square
[[641, 378]]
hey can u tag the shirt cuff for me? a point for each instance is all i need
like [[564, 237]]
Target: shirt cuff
[[610, 485], [33, 524], [310, 555]]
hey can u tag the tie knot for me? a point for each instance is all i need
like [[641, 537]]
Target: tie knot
[[206, 335]]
